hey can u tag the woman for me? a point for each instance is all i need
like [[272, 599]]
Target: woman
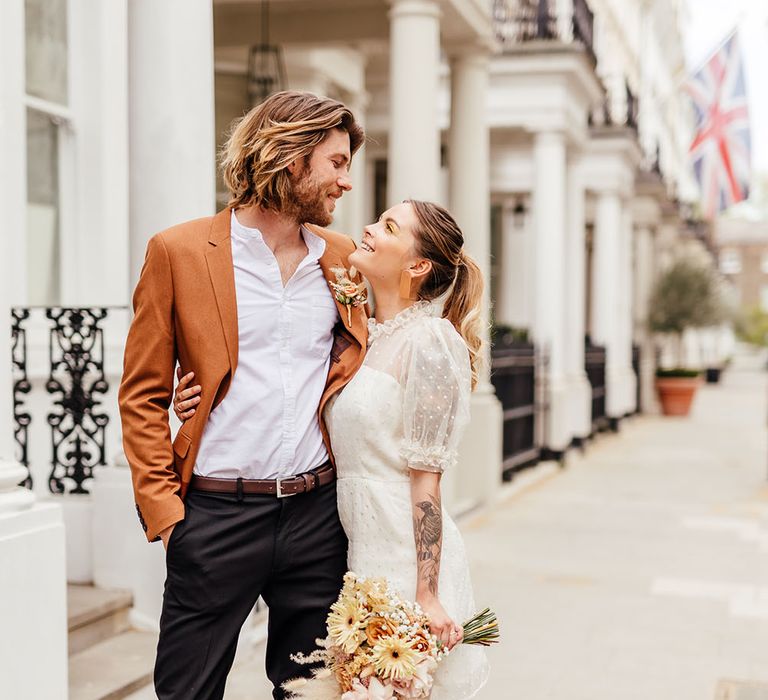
[[396, 426]]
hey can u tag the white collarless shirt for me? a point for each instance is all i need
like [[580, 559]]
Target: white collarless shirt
[[267, 425]]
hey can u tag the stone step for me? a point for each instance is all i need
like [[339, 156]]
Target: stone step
[[113, 669], [95, 614], [246, 681]]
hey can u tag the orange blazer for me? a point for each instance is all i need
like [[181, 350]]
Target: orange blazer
[[185, 312]]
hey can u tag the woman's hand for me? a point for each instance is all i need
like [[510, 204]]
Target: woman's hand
[[185, 399], [440, 624]]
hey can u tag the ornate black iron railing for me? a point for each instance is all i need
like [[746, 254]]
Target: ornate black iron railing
[[514, 376], [636, 360], [76, 382], [633, 109], [595, 364], [609, 115], [520, 21], [656, 162], [584, 27]]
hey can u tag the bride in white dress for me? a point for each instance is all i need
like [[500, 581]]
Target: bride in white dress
[[396, 426]]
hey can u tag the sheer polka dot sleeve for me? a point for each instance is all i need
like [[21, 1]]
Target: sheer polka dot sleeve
[[436, 381]]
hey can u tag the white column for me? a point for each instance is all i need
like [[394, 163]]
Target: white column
[[172, 136], [414, 136], [469, 161], [13, 168], [479, 471], [644, 279], [625, 323], [358, 205], [172, 179], [354, 204], [549, 226], [32, 578], [564, 19], [13, 204], [606, 297], [579, 389]]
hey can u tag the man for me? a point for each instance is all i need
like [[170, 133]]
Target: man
[[244, 499]]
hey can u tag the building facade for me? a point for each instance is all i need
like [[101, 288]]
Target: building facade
[[555, 131]]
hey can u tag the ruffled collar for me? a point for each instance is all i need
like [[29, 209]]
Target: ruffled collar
[[419, 310]]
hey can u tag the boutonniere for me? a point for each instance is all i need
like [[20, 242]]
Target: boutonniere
[[346, 291]]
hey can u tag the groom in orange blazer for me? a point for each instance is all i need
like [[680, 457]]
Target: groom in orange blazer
[[244, 498]]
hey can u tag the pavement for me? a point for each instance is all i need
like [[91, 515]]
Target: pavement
[[640, 572], [637, 572]]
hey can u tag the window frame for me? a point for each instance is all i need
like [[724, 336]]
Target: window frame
[[62, 117]]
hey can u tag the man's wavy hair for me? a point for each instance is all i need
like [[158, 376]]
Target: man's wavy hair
[[285, 127]]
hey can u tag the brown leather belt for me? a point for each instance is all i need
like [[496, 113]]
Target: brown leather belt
[[282, 488]]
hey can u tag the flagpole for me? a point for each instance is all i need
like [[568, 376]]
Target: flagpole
[[717, 48]]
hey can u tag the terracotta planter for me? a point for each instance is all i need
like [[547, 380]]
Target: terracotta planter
[[676, 394]]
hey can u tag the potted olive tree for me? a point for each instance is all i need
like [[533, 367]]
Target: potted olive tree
[[685, 296]]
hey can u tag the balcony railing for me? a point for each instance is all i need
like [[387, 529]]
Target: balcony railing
[[633, 108], [608, 114], [515, 374], [636, 361], [519, 21], [595, 363], [584, 26], [75, 382]]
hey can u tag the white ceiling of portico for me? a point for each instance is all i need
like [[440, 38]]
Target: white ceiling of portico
[[238, 22]]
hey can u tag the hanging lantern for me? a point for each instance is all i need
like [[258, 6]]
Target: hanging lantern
[[266, 70]]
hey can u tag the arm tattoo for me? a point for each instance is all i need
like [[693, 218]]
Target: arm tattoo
[[428, 529]]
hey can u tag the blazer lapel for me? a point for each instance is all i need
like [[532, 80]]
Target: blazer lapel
[[358, 327], [222, 272]]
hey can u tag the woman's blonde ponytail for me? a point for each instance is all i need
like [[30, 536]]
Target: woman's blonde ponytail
[[463, 306], [440, 240]]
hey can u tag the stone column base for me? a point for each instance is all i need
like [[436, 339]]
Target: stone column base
[[33, 604], [478, 473], [557, 428], [77, 509], [579, 406], [621, 393], [122, 557]]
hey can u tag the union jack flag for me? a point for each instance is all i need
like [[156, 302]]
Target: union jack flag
[[720, 150]]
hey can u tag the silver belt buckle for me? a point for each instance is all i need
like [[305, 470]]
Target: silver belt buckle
[[280, 493]]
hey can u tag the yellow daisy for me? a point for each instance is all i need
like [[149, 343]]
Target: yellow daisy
[[344, 624], [395, 658]]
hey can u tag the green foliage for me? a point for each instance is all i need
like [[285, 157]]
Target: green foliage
[[752, 326], [677, 373], [685, 296], [502, 334]]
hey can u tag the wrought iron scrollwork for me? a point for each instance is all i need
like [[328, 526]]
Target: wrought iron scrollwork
[[21, 387], [535, 20], [76, 379]]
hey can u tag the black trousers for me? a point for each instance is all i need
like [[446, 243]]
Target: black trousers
[[220, 559]]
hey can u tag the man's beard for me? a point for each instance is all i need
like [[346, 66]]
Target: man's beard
[[306, 202]]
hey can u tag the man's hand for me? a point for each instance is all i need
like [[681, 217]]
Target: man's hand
[[165, 535]]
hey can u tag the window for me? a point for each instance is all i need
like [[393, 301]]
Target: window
[[47, 115], [46, 46], [42, 209], [730, 261]]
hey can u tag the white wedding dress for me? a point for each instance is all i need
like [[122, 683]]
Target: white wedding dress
[[406, 408]]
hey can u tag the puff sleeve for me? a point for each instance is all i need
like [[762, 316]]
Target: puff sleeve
[[436, 382]]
